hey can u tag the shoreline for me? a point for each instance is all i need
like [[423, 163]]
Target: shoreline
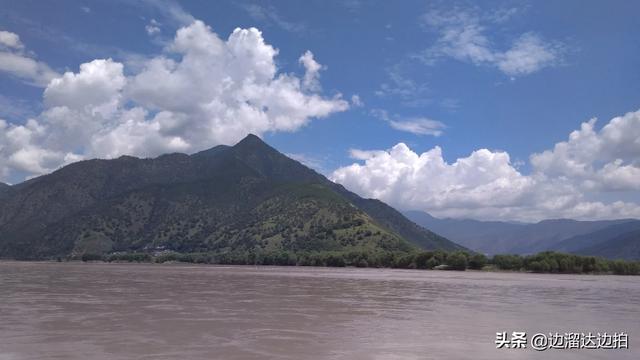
[[486, 269]]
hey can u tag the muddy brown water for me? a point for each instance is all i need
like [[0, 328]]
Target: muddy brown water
[[174, 311]]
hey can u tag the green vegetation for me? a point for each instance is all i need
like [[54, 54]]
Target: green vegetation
[[91, 257], [246, 198], [546, 262], [552, 262]]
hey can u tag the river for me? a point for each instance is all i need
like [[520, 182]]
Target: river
[[175, 311]]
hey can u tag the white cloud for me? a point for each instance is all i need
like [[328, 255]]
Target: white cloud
[[419, 126], [171, 11], [528, 54], [311, 78], [202, 92], [356, 101], [565, 182], [153, 27], [10, 40], [414, 125], [270, 15], [20, 152], [607, 159], [462, 35], [403, 177], [95, 89], [364, 154], [16, 62]]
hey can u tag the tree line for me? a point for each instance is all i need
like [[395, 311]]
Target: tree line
[[545, 262]]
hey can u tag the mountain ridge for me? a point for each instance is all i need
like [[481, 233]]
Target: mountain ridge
[[225, 197], [624, 246], [496, 237]]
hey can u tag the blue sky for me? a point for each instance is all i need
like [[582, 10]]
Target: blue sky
[[511, 77]]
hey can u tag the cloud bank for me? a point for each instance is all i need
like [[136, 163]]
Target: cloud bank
[[565, 181], [202, 91]]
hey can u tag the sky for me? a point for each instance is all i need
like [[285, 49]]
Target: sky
[[501, 110]]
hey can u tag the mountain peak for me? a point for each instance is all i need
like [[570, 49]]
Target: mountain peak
[[251, 140], [264, 159], [249, 143]]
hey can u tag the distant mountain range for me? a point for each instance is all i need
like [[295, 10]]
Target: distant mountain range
[[242, 197], [610, 238]]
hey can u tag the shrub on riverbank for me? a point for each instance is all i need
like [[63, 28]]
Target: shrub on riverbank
[[545, 262], [553, 262]]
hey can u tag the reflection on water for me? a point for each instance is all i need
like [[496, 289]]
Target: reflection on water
[[130, 311]]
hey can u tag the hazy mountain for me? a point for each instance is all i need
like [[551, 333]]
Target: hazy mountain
[[606, 238], [474, 234], [624, 246], [495, 237], [240, 197]]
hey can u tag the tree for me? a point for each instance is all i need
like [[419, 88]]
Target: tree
[[91, 257], [477, 261], [507, 262], [457, 261], [422, 258], [432, 262]]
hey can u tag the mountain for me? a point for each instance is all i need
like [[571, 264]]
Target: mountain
[[545, 234], [4, 190], [495, 237], [242, 197], [608, 242], [624, 246], [577, 243], [474, 234]]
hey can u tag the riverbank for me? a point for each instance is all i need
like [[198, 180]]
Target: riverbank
[[545, 262]]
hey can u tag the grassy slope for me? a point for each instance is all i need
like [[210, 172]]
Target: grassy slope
[[241, 197]]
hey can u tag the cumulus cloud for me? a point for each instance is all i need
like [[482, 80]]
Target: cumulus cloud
[[606, 160], [95, 89], [410, 180], [462, 35], [565, 181], [16, 62], [202, 91]]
